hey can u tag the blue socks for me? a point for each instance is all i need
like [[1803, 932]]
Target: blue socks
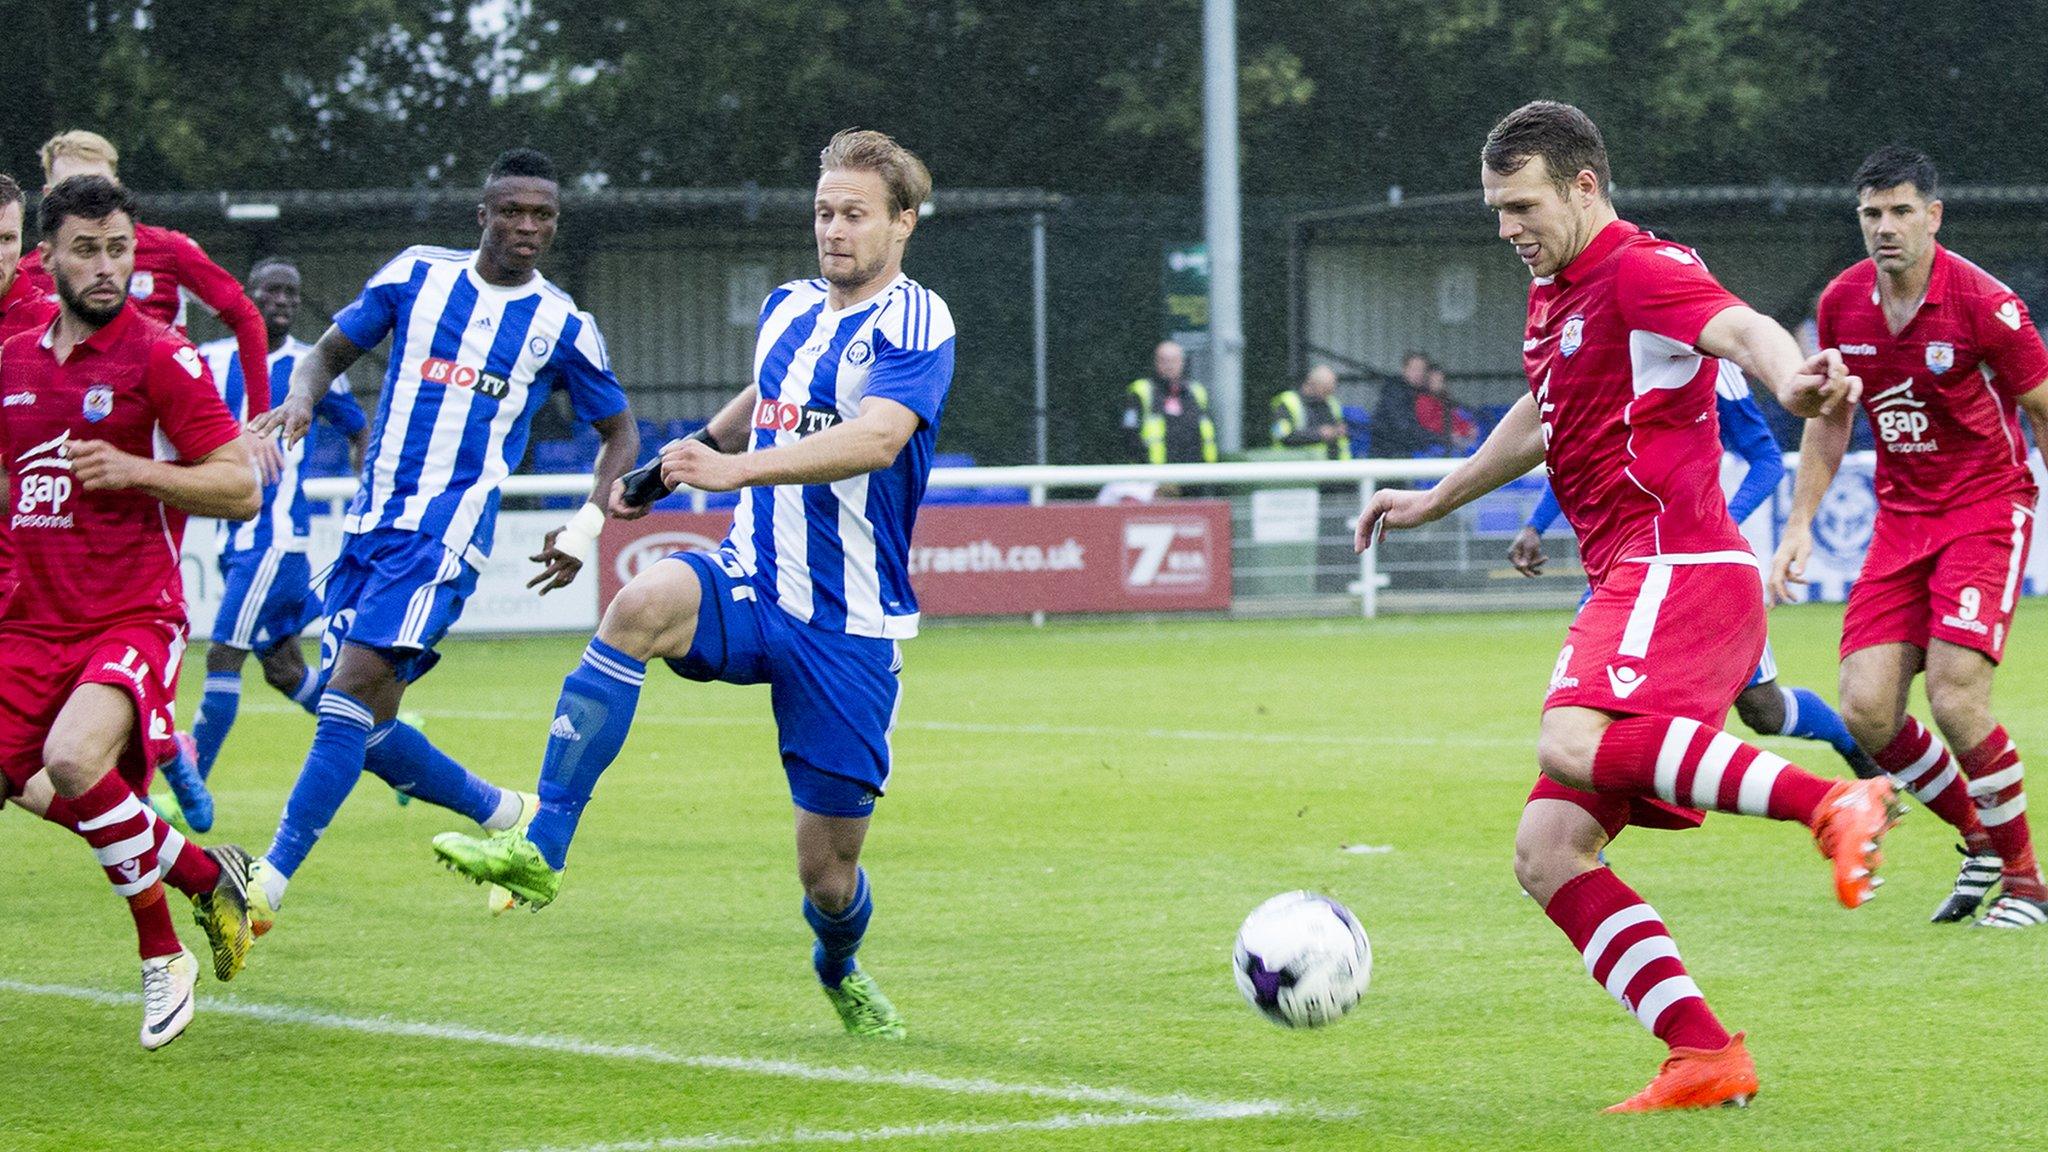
[[216, 716], [591, 721], [307, 694], [404, 758], [1809, 717], [839, 933], [333, 765]]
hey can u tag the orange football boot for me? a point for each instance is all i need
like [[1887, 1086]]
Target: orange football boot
[[1848, 826], [1698, 1078]]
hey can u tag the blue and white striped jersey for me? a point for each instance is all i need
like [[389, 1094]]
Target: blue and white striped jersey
[[837, 556], [470, 364], [286, 520]]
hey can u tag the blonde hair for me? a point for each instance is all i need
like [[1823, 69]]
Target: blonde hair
[[80, 144], [863, 150]]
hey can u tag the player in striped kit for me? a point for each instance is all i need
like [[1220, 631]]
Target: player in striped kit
[[1623, 335], [267, 594], [810, 592], [478, 341]]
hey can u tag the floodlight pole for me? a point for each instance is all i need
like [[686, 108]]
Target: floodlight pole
[[1039, 415], [1221, 210]]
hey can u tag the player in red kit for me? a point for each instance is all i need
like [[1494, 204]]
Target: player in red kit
[[112, 433], [10, 240], [1621, 352], [1950, 359], [167, 262]]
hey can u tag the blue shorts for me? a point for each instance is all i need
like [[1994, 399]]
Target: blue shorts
[[267, 599], [395, 591], [834, 695]]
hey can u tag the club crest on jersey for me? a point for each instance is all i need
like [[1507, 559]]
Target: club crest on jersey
[[142, 285], [1573, 335], [859, 353], [99, 403], [1940, 357]]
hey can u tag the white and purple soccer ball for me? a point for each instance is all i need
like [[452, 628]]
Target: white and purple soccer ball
[[1302, 960]]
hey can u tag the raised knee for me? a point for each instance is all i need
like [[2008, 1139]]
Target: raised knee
[[1542, 867]]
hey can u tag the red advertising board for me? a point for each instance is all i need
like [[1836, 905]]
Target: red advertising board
[[1008, 559]]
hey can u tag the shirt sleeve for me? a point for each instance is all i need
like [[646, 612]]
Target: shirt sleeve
[[1664, 289], [221, 292], [188, 407], [371, 315], [340, 409], [1745, 432], [2011, 344], [914, 354], [1546, 512], [584, 368]]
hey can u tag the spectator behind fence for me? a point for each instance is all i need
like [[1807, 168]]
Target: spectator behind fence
[[1443, 424], [1309, 416], [1166, 416], [1394, 431]]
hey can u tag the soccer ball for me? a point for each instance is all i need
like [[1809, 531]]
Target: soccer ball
[[1302, 960]]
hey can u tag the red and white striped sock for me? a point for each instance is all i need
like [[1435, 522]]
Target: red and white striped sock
[[1628, 952], [1920, 764], [1684, 762], [1998, 786], [121, 830], [186, 866]]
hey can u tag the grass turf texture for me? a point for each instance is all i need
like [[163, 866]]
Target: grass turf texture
[[1079, 819]]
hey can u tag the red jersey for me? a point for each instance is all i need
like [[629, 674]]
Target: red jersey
[[82, 561], [166, 261], [1941, 393], [1627, 403]]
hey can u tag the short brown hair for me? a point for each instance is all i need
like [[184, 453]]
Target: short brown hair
[[10, 191], [80, 144], [864, 150], [1565, 137]]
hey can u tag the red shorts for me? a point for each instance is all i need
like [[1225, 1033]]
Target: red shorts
[[1953, 577], [1658, 640], [38, 675]]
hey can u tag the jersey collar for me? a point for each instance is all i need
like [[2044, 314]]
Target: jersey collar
[[99, 341], [1599, 248], [1937, 280]]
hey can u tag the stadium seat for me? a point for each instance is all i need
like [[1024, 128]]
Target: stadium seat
[[970, 495]]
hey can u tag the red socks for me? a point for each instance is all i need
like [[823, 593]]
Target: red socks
[[186, 866], [1684, 762], [1920, 764], [1997, 786], [123, 834], [1629, 953]]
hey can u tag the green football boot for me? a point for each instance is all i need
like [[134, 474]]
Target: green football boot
[[166, 808], [863, 1008], [507, 859], [498, 900]]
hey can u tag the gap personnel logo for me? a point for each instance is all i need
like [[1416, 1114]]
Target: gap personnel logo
[[1900, 419], [1574, 334], [1940, 357], [42, 485], [782, 416], [99, 403]]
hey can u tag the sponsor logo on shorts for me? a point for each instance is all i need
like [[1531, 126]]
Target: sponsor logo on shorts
[[1977, 627], [1624, 681], [1558, 680]]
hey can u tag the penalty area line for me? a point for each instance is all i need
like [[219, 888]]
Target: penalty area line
[[1174, 1106]]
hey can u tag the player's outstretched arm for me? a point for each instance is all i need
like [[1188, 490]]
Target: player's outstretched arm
[[1821, 448], [1806, 386], [221, 484], [637, 490], [564, 551], [1515, 448], [218, 289], [2034, 403], [311, 378], [866, 443]]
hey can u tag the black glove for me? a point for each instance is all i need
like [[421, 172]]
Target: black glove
[[644, 485]]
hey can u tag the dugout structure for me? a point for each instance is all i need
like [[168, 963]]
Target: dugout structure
[[675, 277]]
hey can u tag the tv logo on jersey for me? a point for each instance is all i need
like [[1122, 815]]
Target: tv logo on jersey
[[436, 370], [1901, 420], [782, 416], [42, 485]]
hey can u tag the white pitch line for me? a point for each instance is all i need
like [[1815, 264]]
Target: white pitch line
[[1086, 731], [1062, 1123], [1181, 1105]]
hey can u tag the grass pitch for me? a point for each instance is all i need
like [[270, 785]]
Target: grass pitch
[[1080, 817]]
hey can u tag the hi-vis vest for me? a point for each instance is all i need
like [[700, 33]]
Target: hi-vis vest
[[1152, 422], [1290, 415]]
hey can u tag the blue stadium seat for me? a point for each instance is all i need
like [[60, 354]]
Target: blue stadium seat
[[970, 495]]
